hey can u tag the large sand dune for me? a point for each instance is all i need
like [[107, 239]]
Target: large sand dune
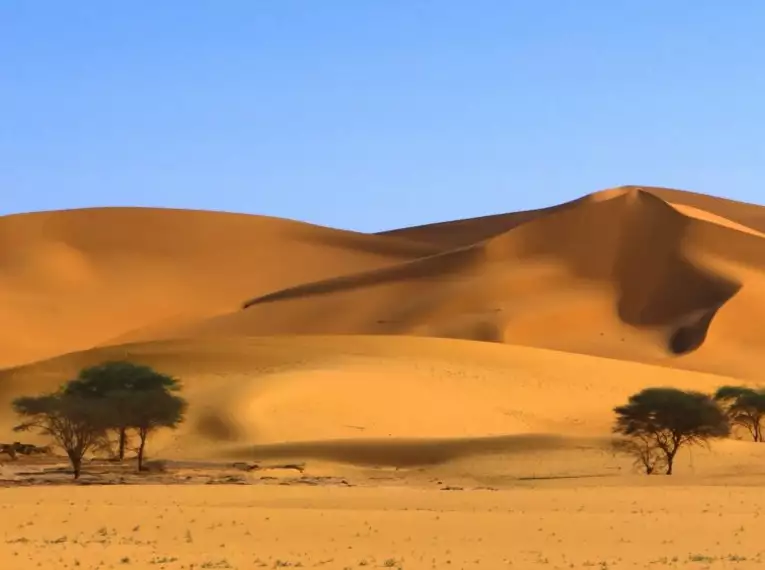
[[619, 274], [290, 334]]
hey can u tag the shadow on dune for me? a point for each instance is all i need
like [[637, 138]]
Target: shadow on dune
[[658, 286], [459, 250], [217, 427], [628, 239], [423, 268], [408, 452], [638, 243], [690, 336]]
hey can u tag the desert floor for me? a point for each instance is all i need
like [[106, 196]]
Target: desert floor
[[539, 526]]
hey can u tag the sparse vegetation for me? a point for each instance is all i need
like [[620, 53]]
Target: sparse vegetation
[[113, 397], [745, 407], [150, 410], [644, 451], [74, 423], [139, 397], [124, 400], [659, 421]]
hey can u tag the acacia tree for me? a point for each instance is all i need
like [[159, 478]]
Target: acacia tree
[[669, 418], [150, 410], [745, 407], [116, 384], [74, 423], [643, 450]]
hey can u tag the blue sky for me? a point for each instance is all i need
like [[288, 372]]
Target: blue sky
[[372, 114]]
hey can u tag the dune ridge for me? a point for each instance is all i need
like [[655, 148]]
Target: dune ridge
[[471, 230]]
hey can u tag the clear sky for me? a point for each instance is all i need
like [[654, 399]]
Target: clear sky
[[372, 114]]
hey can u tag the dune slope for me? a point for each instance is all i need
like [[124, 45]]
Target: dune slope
[[370, 399], [621, 274], [73, 279]]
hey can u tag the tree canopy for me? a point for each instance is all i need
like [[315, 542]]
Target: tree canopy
[[74, 423], [118, 384], [111, 397], [745, 407], [668, 418], [116, 375], [149, 410]]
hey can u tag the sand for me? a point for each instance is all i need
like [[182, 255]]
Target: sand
[[251, 527], [305, 388], [73, 279], [625, 275], [428, 397]]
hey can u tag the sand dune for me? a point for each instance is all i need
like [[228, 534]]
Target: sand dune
[[74, 279], [298, 339], [383, 398], [472, 230], [619, 274], [749, 215]]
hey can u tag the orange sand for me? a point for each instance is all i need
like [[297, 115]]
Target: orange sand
[[479, 351]]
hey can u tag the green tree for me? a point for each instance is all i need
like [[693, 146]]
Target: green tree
[[745, 407], [669, 418], [118, 382], [150, 410], [74, 422]]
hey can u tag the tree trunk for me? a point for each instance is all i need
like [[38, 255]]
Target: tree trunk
[[123, 441], [670, 461], [752, 429], [76, 465], [142, 435]]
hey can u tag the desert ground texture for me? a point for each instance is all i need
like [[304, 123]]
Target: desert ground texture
[[430, 397]]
